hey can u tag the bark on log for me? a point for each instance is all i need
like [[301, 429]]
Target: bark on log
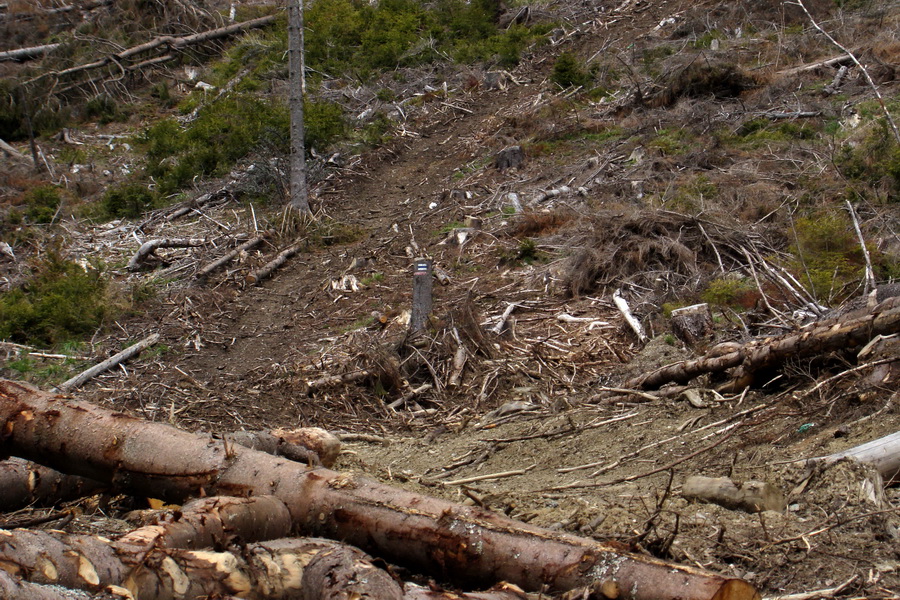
[[823, 336], [149, 247], [883, 454], [24, 483], [210, 523], [748, 496], [504, 591], [127, 353], [468, 545], [13, 152], [308, 568], [309, 445], [12, 588]]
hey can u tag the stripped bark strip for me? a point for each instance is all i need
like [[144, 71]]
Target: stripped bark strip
[[24, 483], [126, 354], [467, 545], [263, 272], [823, 336]]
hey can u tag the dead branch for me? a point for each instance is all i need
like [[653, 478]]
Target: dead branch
[[623, 307], [129, 352], [330, 380], [822, 336], [266, 270], [170, 42], [13, 152], [149, 247], [468, 545], [246, 246]]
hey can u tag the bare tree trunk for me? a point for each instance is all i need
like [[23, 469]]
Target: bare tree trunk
[[299, 189], [470, 546]]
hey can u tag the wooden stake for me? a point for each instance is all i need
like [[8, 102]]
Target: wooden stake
[[421, 303]]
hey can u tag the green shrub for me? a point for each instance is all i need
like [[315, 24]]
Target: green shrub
[[60, 302], [223, 133], [731, 291], [568, 72], [875, 160], [104, 109], [42, 203], [828, 253], [130, 200], [323, 124]]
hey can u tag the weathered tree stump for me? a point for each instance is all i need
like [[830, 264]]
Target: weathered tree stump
[[692, 324], [510, 158]]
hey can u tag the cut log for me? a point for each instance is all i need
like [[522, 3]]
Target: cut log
[[468, 545], [149, 247], [310, 445], [21, 54], [126, 354], [846, 332], [883, 454], [748, 496], [312, 569], [692, 324], [210, 523], [24, 483]]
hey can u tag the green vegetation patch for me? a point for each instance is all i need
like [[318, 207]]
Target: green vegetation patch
[[875, 160], [60, 302]]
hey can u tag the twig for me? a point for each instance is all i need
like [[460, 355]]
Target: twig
[[826, 593], [629, 392], [502, 475]]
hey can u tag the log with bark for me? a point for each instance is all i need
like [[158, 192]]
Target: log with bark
[[245, 247], [311, 445], [109, 363], [846, 332], [24, 483], [471, 546]]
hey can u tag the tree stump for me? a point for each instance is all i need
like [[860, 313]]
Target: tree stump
[[692, 324], [510, 158]]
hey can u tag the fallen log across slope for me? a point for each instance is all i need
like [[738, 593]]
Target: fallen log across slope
[[466, 545], [850, 331]]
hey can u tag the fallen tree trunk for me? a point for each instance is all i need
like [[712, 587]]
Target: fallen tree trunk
[[883, 454], [109, 363], [823, 336], [149, 247], [21, 54], [471, 546], [248, 245], [263, 272], [175, 43], [23, 483]]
